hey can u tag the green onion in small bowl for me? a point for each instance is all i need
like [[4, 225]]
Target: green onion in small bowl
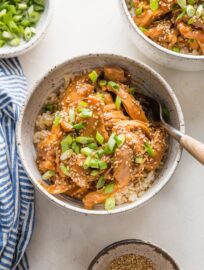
[[22, 25]]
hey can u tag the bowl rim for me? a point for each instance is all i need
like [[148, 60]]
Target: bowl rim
[[152, 43], [105, 250], [24, 48], [128, 206]]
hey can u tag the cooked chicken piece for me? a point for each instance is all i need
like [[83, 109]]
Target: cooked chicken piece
[[159, 147], [47, 149], [131, 105], [96, 122], [122, 165], [115, 115], [108, 99], [77, 173], [56, 189], [124, 126], [115, 74], [189, 33], [78, 89]]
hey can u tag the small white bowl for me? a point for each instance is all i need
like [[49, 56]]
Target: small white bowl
[[41, 27], [145, 78], [156, 52], [160, 259]]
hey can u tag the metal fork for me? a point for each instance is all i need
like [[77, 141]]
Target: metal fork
[[193, 146]]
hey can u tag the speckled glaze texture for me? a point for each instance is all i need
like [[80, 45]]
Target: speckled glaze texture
[[160, 259], [146, 79], [156, 52], [41, 27]]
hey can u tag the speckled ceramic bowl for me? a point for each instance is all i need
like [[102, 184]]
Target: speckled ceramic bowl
[[146, 79], [160, 259], [156, 52], [41, 27]]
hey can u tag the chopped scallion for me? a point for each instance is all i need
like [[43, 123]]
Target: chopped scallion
[[93, 146], [110, 203], [154, 5], [86, 151], [138, 11], [94, 164], [101, 182], [94, 172], [66, 155], [75, 148], [86, 113], [102, 165], [149, 149], [57, 118], [71, 115], [48, 175], [99, 138], [64, 169], [93, 76], [139, 160], [120, 139], [87, 162], [181, 3], [118, 103], [109, 188], [79, 126], [102, 83], [111, 142], [84, 140], [113, 85]]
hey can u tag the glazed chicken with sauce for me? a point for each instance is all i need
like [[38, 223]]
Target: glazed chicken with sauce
[[177, 25], [96, 143]]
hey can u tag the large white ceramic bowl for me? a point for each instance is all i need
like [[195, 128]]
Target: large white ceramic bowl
[[156, 52], [41, 28], [145, 79]]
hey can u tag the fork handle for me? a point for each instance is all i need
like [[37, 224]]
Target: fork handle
[[194, 147]]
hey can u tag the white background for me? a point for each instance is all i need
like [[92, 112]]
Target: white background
[[174, 219]]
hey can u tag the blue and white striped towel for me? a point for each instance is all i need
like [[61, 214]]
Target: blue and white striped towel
[[16, 190]]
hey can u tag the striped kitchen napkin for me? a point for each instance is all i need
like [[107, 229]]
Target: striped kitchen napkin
[[16, 190]]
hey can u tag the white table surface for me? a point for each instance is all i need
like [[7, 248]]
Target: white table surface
[[174, 219]]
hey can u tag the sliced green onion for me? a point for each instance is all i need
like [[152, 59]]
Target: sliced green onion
[[7, 35], [191, 2], [65, 143], [142, 29], [102, 165], [100, 152], [118, 103], [27, 34], [102, 83], [64, 169], [181, 3], [79, 126], [86, 113], [49, 107], [190, 10], [149, 149], [14, 42], [34, 17], [120, 139], [109, 188], [111, 142], [22, 6], [84, 140], [101, 182], [87, 162], [132, 90], [176, 49], [94, 164], [48, 175], [139, 160], [154, 5], [86, 151], [107, 150], [180, 16], [110, 203], [94, 172], [138, 11], [57, 118], [199, 11], [191, 20], [93, 76], [71, 115], [93, 146], [75, 148], [114, 85], [66, 155], [99, 138], [81, 105]]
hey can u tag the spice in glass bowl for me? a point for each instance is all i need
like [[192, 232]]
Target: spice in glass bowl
[[131, 262]]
